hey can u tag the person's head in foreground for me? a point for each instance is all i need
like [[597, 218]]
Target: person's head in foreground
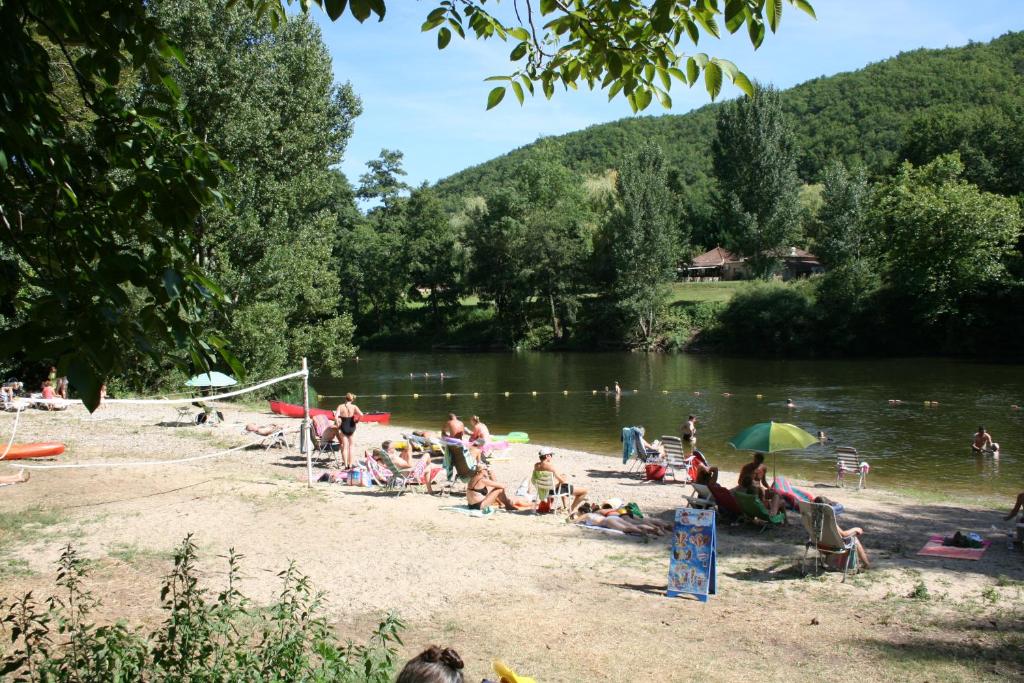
[[545, 453], [433, 665], [759, 457]]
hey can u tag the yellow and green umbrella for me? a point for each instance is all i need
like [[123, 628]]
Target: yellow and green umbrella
[[770, 437]]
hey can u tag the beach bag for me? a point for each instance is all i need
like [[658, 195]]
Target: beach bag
[[544, 507], [654, 472]]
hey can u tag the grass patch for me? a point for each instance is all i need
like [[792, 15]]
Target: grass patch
[[18, 525], [704, 291], [15, 566], [129, 553]]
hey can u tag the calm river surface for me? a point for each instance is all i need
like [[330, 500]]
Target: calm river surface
[[906, 445]]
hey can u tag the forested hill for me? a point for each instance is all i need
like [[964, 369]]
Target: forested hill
[[855, 116]]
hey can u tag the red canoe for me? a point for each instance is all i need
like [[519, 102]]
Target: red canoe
[[46, 449], [292, 410]]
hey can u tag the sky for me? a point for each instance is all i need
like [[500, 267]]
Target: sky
[[430, 103]]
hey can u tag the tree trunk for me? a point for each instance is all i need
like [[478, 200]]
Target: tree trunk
[[555, 322]]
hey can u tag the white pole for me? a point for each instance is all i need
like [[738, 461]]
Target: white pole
[[305, 424]]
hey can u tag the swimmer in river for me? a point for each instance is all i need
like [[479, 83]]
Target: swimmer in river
[[789, 403], [618, 389]]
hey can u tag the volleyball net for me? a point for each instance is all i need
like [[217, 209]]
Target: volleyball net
[[162, 428]]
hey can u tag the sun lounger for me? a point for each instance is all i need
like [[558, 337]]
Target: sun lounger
[[848, 461], [676, 461], [753, 510], [823, 535], [457, 465], [700, 497], [728, 508]]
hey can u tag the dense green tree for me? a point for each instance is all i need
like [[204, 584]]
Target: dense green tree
[[758, 188], [501, 268], [383, 179], [272, 247], [435, 252], [840, 227], [943, 238], [98, 196], [558, 222], [644, 243], [989, 139]]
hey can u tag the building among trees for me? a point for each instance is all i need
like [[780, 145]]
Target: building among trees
[[722, 264]]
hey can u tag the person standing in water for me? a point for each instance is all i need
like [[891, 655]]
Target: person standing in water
[[345, 419], [618, 389], [689, 430], [983, 442]]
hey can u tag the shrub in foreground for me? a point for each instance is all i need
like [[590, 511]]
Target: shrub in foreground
[[204, 637]]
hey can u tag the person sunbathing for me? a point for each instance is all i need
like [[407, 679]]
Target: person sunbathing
[[262, 430], [403, 459], [705, 473], [624, 524], [20, 478], [482, 491]]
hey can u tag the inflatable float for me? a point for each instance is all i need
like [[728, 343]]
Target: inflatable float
[[45, 449], [292, 410], [513, 437]]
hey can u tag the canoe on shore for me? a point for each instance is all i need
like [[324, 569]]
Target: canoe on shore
[[43, 449], [292, 410]]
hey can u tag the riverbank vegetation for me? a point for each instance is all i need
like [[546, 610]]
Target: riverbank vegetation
[[230, 233]]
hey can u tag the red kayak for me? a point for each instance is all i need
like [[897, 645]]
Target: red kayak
[[46, 449], [292, 410]]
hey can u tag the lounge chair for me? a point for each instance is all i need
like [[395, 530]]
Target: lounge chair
[[457, 466], [323, 441], [701, 497], [547, 488], [633, 450], [268, 441], [676, 461], [755, 511], [848, 461], [397, 478], [823, 535], [728, 508]]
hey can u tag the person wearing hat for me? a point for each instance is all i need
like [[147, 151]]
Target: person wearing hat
[[564, 488]]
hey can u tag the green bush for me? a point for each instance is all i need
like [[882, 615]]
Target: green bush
[[771, 318], [203, 638]]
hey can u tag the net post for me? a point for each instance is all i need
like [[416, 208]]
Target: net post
[[305, 423]]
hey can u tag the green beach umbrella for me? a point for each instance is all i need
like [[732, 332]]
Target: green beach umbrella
[[770, 437]]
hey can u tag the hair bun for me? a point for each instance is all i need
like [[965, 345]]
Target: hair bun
[[451, 658]]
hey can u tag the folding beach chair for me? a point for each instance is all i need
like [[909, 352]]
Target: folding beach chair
[[823, 535], [276, 438], [548, 488], [397, 478], [848, 461], [323, 441], [676, 460], [457, 466], [701, 497], [754, 511]]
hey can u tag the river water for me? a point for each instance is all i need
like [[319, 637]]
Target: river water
[[909, 444]]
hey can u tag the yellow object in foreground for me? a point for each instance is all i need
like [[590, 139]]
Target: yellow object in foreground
[[508, 675]]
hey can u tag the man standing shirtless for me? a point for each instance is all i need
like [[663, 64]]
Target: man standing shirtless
[[453, 427]]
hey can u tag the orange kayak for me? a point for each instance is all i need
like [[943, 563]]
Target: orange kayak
[[45, 449]]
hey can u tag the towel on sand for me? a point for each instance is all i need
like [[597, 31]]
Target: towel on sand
[[934, 548]]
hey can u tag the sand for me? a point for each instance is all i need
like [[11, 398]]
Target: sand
[[554, 601]]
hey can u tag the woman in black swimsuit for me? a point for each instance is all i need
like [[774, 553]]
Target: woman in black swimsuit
[[345, 418], [482, 491]]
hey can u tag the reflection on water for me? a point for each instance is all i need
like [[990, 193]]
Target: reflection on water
[[912, 420]]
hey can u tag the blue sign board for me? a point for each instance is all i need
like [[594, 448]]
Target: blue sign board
[[692, 568]]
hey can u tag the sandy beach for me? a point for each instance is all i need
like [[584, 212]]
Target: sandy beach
[[553, 600]]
